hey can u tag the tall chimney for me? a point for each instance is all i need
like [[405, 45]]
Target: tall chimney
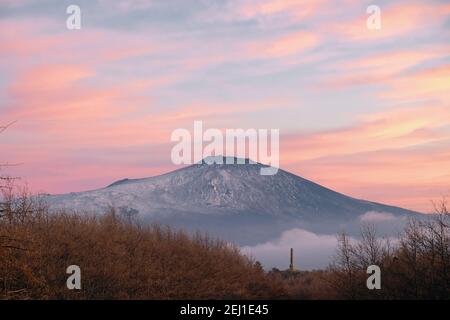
[[292, 266]]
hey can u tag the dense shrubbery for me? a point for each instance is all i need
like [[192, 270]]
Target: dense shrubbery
[[118, 259], [305, 285]]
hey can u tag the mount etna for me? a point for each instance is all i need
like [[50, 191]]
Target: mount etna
[[235, 203]]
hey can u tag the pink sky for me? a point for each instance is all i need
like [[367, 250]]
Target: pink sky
[[364, 112]]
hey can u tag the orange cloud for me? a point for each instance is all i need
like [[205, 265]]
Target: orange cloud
[[62, 104], [402, 76], [397, 61], [431, 83], [392, 129], [383, 67], [410, 177], [403, 149]]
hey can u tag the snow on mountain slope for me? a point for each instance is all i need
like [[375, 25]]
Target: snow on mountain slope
[[266, 215], [222, 190]]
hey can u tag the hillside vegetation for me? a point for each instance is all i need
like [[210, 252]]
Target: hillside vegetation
[[118, 259], [121, 259]]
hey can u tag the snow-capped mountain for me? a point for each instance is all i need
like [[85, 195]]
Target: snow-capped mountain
[[232, 201]]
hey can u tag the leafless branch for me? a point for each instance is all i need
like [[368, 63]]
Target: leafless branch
[[3, 128]]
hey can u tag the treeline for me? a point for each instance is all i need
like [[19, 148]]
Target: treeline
[[118, 259], [415, 266]]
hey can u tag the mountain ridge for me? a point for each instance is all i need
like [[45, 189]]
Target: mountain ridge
[[235, 203], [225, 187]]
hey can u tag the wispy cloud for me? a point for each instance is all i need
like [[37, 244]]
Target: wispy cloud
[[286, 45], [403, 149]]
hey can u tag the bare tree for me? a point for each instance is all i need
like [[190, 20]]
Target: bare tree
[[344, 269], [417, 267], [6, 182]]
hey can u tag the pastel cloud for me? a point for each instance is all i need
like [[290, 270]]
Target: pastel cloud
[[49, 78], [286, 45], [267, 9], [432, 83], [401, 149], [381, 68], [397, 128]]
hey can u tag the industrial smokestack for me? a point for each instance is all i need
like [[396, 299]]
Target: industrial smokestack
[[291, 265]]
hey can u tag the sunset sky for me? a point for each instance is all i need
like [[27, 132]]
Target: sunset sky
[[364, 112]]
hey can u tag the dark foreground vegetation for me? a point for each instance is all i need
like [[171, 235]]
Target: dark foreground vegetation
[[415, 266], [120, 259]]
